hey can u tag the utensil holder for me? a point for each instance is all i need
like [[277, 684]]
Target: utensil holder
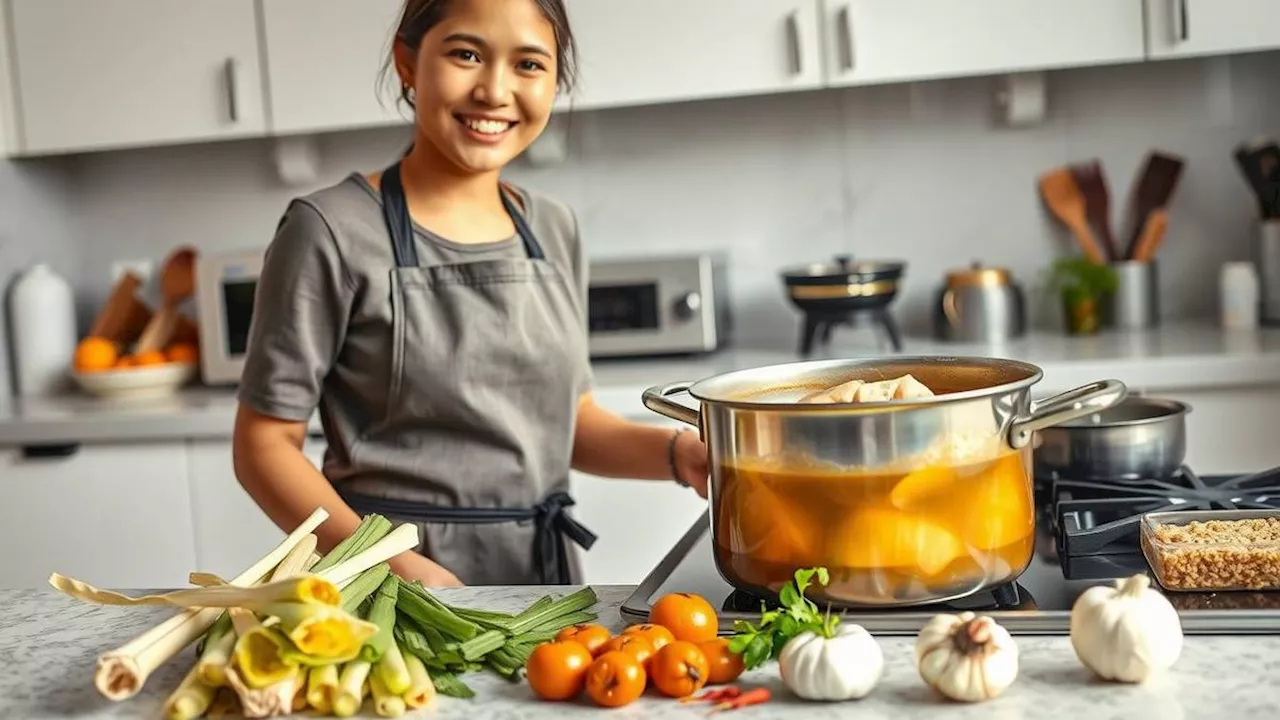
[[1135, 304], [1267, 259]]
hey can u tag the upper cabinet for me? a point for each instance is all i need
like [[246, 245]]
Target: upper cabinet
[[115, 73], [874, 41], [1184, 28], [324, 61], [664, 50]]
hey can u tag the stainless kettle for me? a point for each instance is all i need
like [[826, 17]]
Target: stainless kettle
[[980, 305]]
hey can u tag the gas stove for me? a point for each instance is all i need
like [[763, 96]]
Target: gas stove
[[1086, 535]]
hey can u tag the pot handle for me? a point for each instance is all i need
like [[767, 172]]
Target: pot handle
[[1069, 405], [655, 398]]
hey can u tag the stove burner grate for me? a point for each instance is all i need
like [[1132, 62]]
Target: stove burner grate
[[1099, 517], [1009, 596], [818, 325]]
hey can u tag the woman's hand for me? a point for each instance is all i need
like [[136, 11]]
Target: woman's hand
[[411, 566], [691, 462]]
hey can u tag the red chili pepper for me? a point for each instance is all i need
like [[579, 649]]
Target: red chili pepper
[[751, 697], [715, 695]]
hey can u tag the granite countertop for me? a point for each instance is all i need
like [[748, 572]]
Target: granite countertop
[[1173, 357], [50, 644]]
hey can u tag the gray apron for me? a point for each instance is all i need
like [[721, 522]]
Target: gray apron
[[487, 360]]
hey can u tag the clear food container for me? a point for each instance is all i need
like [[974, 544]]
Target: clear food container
[[1213, 550]]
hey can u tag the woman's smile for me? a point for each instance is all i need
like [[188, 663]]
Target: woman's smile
[[485, 129]]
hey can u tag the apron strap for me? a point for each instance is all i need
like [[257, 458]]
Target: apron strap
[[395, 212], [551, 524]]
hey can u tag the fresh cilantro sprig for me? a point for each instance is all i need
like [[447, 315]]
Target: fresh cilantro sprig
[[759, 643]]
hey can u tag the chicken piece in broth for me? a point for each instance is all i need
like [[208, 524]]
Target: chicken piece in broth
[[902, 388]]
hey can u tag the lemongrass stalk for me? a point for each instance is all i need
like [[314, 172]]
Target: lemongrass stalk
[[271, 700], [404, 537], [297, 561], [393, 670], [225, 704], [323, 633], [322, 686], [300, 690], [121, 672], [421, 690], [309, 589], [260, 658], [212, 666], [371, 529], [191, 698], [351, 687], [385, 702]]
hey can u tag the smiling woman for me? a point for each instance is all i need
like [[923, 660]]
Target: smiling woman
[[436, 318]]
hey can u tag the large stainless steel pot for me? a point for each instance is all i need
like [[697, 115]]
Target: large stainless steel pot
[[905, 502]]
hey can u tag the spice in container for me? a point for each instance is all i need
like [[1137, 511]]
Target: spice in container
[[1214, 550], [1241, 296]]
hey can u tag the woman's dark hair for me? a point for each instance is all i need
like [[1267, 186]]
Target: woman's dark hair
[[419, 16]]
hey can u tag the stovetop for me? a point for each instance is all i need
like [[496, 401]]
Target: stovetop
[[1086, 535]]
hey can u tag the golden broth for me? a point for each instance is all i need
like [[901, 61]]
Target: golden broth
[[897, 537]]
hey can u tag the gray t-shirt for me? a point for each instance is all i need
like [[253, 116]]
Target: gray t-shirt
[[322, 326]]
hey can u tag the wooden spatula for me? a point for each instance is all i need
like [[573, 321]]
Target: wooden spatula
[[177, 283], [1097, 203], [1063, 196], [1152, 236], [1155, 187]]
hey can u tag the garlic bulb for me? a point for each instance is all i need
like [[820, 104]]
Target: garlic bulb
[[965, 657], [1127, 631], [844, 666]]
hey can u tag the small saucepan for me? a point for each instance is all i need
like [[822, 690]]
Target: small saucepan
[[843, 286], [1137, 438]]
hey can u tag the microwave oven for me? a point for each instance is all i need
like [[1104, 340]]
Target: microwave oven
[[655, 306], [645, 306], [225, 288]]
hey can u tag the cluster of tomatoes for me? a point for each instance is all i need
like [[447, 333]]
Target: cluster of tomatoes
[[677, 650]]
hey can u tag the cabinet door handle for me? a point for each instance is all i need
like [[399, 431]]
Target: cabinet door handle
[[844, 22], [52, 450], [793, 43], [1181, 21], [231, 72]]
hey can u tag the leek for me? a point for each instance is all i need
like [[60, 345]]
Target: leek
[[350, 695], [385, 702], [363, 586], [371, 529], [421, 690], [393, 670], [322, 686], [191, 699]]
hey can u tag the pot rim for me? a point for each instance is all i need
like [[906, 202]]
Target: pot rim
[[1175, 410], [703, 390]]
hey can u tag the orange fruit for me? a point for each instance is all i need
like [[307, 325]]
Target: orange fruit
[[679, 669], [185, 353], [615, 679], [657, 635], [94, 354], [558, 670], [590, 636], [726, 665], [151, 357], [126, 361], [689, 617]]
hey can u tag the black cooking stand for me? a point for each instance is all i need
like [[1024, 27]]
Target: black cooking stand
[[1010, 596], [818, 325], [1096, 522]]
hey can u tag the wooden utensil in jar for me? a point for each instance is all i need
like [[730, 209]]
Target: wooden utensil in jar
[[124, 316], [1063, 196], [177, 283], [1152, 235], [1159, 178], [1097, 203]]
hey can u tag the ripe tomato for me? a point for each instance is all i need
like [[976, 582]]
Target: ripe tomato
[[655, 634], [557, 670], [635, 645], [592, 637], [726, 665], [615, 679], [689, 617], [679, 669]]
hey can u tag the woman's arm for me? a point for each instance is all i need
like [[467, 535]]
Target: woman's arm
[[607, 445], [270, 465]]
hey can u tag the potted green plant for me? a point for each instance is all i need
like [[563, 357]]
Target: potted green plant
[[1083, 286]]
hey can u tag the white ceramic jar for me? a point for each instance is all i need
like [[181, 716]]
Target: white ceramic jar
[[1240, 295], [42, 324]]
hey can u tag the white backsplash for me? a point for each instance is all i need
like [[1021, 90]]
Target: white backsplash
[[912, 172]]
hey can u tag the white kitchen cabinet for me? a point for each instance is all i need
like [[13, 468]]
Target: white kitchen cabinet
[[634, 53], [324, 60], [116, 73], [874, 41], [1186, 28], [1231, 431], [231, 531], [115, 516]]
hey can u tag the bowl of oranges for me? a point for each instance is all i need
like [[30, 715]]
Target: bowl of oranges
[[103, 369]]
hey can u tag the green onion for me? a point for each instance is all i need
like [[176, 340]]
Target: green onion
[[382, 614], [363, 586], [449, 685], [575, 602], [371, 529], [392, 670], [483, 644], [428, 612], [413, 641]]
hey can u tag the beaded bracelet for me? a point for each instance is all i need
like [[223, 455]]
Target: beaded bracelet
[[671, 457]]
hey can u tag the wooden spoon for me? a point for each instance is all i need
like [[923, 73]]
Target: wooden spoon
[[1152, 235], [1097, 202], [177, 283], [1063, 196]]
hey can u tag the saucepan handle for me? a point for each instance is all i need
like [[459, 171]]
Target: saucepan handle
[[1069, 405], [657, 399]]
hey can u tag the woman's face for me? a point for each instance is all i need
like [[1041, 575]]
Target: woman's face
[[484, 81]]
